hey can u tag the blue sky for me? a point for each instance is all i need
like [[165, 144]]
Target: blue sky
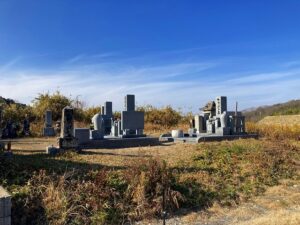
[[179, 53]]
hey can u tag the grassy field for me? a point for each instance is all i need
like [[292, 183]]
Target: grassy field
[[202, 182]]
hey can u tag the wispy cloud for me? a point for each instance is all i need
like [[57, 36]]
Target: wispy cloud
[[8, 65], [156, 85]]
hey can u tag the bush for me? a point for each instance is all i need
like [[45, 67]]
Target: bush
[[55, 102], [165, 117]]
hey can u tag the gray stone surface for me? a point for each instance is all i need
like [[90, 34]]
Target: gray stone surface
[[221, 104], [48, 118], [129, 103], [48, 131], [122, 142], [51, 150], [177, 133], [199, 124], [192, 132], [96, 135], [67, 139], [108, 109], [67, 122], [5, 207], [132, 120], [98, 123], [82, 135]]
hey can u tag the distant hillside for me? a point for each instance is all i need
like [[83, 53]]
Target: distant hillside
[[283, 120], [287, 108]]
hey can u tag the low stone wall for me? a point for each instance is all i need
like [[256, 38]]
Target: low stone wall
[[121, 143], [5, 207]]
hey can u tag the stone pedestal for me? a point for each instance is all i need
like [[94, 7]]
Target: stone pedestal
[[177, 133], [48, 131], [5, 207], [82, 135]]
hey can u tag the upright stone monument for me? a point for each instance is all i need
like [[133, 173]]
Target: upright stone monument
[[48, 129], [98, 122], [67, 139], [132, 122], [129, 103], [5, 207]]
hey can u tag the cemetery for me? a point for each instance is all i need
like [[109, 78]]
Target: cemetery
[[214, 124], [112, 161]]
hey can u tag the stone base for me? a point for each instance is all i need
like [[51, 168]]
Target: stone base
[[96, 135], [214, 137], [5, 207], [223, 130], [82, 135], [50, 150], [68, 143], [48, 132], [121, 143]]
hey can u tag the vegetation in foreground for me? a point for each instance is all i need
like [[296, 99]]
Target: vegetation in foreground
[[68, 190]]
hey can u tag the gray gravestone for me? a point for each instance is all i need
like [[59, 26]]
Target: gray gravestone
[[82, 135], [67, 123], [108, 109], [129, 103], [132, 120], [67, 139], [48, 129], [48, 118], [221, 104]]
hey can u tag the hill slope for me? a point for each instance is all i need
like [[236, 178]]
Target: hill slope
[[288, 108]]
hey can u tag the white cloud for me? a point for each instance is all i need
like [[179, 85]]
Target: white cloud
[[157, 85]]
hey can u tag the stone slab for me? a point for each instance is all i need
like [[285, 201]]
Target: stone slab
[[208, 138], [121, 143], [82, 135], [132, 120], [108, 109], [129, 103], [96, 135], [51, 150], [48, 132]]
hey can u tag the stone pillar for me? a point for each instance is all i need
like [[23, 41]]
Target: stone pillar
[[48, 129], [221, 105], [67, 139], [108, 109], [199, 124], [129, 103], [5, 207], [48, 118], [67, 122]]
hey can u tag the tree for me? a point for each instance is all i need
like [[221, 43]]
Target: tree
[[55, 102]]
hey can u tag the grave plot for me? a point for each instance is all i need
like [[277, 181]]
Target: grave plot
[[214, 123], [107, 131]]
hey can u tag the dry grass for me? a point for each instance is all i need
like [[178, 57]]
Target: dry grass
[[275, 130], [284, 120], [111, 186]]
